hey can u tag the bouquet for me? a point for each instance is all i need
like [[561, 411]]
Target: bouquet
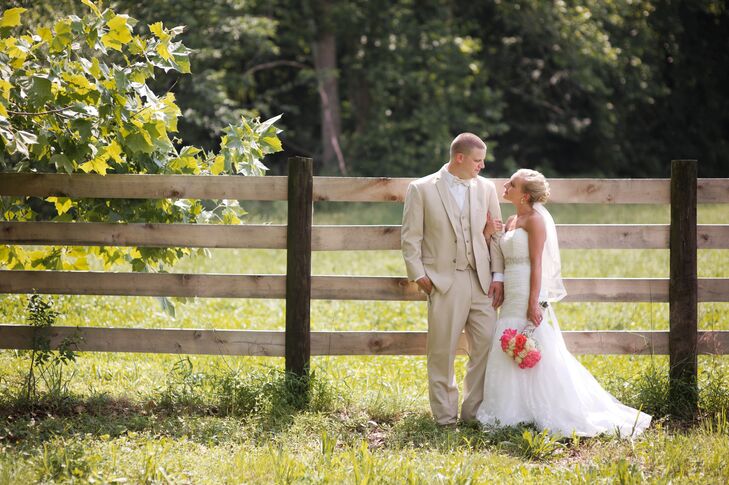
[[521, 347]]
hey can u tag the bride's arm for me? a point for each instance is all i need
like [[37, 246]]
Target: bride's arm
[[537, 236]]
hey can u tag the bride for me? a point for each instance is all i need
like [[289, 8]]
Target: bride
[[558, 393]]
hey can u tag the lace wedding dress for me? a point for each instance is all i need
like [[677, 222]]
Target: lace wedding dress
[[558, 394]]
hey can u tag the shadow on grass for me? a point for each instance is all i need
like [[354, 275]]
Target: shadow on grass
[[267, 405], [199, 407], [420, 431]]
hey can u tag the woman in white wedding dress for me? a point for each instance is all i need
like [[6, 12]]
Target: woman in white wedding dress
[[558, 393]]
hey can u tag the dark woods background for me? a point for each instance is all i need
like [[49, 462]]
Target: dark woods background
[[374, 87]]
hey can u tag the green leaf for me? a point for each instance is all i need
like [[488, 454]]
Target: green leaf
[[167, 306], [183, 64], [63, 204], [62, 163], [78, 83], [218, 165], [5, 88], [138, 143], [158, 29], [189, 151], [40, 91], [83, 127], [273, 143], [11, 17], [63, 35], [17, 146], [27, 138], [138, 265], [119, 33], [263, 127], [93, 7]]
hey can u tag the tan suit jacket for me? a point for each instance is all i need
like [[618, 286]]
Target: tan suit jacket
[[429, 236]]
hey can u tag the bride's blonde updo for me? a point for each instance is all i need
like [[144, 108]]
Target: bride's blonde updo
[[534, 185]]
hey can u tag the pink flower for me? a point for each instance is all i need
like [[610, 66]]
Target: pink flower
[[521, 340], [531, 359], [508, 334]]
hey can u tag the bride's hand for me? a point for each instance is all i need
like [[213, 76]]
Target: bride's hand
[[492, 226], [534, 314]]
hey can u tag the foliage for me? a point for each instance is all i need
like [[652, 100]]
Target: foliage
[[613, 88], [266, 393], [75, 97], [415, 79], [228, 43], [537, 445], [44, 362]]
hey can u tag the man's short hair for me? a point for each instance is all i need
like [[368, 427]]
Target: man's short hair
[[465, 142]]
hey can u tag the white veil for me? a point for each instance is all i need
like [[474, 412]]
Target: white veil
[[552, 287]]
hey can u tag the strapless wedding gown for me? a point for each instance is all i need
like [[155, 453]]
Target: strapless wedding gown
[[557, 394]]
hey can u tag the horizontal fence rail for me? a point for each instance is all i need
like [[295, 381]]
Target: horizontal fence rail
[[341, 189], [271, 343], [387, 288], [143, 186], [324, 238]]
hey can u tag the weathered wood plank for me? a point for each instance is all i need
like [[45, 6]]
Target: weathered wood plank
[[576, 191], [143, 284], [612, 236], [571, 236], [364, 288], [144, 186], [144, 235], [356, 238], [713, 289], [271, 343], [360, 189], [387, 288], [354, 189], [713, 236], [578, 289], [713, 191], [324, 238], [413, 343], [152, 340]]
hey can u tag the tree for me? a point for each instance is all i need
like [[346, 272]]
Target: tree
[[75, 98], [406, 77], [613, 88], [227, 43]]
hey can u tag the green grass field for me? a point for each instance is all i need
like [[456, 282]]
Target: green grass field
[[145, 418]]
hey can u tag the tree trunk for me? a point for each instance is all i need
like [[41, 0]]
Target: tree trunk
[[325, 63]]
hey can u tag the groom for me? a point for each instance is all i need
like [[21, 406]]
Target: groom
[[447, 254]]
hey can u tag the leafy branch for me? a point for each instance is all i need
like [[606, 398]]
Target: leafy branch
[[97, 70]]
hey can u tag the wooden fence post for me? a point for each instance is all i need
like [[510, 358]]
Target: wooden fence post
[[298, 265], [683, 290]]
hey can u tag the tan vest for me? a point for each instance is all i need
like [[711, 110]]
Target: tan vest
[[464, 243]]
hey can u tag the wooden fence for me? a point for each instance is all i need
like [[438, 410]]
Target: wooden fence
[[683, 290]]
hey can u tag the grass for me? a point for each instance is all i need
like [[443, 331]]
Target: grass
[[147, 418]]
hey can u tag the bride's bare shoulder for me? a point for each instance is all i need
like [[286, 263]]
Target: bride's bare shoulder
[[535, 223]]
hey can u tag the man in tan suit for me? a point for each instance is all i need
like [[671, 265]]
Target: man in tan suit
[[451, 253]]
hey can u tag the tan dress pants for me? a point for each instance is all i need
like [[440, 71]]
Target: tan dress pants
[[464, 307]]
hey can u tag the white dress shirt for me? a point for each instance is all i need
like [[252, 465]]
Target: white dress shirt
[[458, 187], [459, 190]]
